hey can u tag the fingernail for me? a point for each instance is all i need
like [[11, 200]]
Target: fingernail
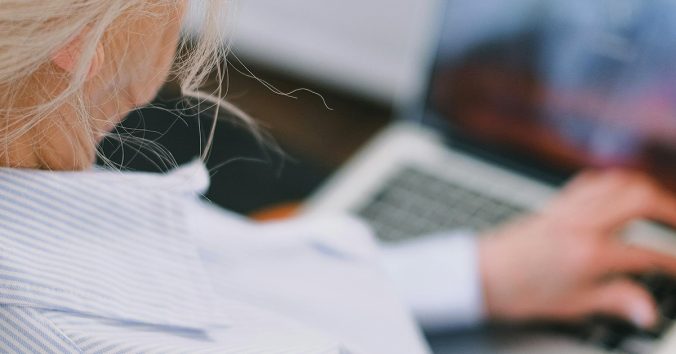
[[643, 315]]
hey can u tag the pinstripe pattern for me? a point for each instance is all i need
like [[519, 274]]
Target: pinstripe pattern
[[102, 262]]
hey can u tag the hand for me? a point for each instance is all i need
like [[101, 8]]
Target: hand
[[568, 262]]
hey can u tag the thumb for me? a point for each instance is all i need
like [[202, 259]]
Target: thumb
[[625, 299]]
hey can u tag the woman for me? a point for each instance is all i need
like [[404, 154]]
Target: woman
[[102, 261]]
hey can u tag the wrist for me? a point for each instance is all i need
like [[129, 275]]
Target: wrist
[[495, 279], [486, 265]]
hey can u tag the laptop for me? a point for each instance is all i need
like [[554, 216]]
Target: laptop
[[520, 96]]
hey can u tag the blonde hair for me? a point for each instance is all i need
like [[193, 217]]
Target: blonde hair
[[32, 30]]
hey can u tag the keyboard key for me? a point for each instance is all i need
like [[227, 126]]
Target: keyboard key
[[608, 333], [657, 332], [616, 334], [415, 203], [663, 289], [638, 345]]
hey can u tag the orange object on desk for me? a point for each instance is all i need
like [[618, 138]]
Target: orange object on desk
[[277, 212]]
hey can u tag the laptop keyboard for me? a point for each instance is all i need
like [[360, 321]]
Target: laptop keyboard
[[415, 203], [619, 336]]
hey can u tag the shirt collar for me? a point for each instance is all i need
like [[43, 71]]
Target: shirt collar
[[103, 243]]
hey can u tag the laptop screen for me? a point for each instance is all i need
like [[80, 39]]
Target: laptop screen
[[565, 83]]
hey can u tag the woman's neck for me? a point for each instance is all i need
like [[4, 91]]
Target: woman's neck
[[52, 150]]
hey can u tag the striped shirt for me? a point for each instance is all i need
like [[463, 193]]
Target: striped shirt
[[110, 262]]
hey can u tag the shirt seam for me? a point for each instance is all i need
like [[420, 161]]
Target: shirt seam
[[43, 287], [59, 332]]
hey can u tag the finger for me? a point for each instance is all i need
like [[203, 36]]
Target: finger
[[629, 259], [581, 180], [624, 299], [598, 194], [639, 199], [588, 186]]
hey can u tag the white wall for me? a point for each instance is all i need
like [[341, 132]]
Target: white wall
[[371, 47]]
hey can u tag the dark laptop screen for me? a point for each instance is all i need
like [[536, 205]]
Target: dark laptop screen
[[567, 83]]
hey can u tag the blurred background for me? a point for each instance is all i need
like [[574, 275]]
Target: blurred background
[[362, 58], [587, 83]]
